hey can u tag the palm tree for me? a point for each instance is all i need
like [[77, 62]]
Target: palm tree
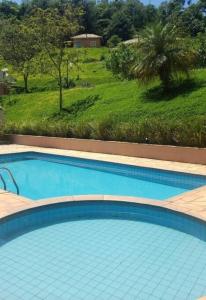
[[163, 53]]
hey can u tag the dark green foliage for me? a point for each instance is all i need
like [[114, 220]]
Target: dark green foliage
[[102, 57], [201, 51], [121, 26], [113, 41], [122, 18], [68, 84], [9, 9]]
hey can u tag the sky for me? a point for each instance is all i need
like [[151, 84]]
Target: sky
[[154, 2]]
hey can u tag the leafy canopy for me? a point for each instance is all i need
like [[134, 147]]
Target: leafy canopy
[[53, 28], [18, 46]]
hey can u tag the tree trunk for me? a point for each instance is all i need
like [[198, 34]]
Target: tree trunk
[[26, 83], [67, 78], [60, 91], [165, 79]]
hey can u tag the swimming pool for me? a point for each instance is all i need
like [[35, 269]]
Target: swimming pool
[[40, 175], [102, 250]]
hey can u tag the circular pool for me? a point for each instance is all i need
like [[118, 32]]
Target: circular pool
[[96, 250]]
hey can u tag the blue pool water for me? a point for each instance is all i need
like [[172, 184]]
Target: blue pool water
[[102, 251], [42, 176]]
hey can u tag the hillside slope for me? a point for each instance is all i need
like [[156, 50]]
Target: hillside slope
[[98, 95]]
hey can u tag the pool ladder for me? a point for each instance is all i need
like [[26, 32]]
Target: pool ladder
[[4, 169]]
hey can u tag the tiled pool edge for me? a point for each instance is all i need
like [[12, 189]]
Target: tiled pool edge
[[184, 203], [189, 168]]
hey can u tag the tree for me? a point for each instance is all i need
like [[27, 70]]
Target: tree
[[193, 20], [53, 27], [8, 9], [120, 25], [68, 59], [18, 47], [162, 52], [121, 60], [136, 13], [89, 17]]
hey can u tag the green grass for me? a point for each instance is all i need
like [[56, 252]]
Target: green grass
[[108, 98], [121, 100]]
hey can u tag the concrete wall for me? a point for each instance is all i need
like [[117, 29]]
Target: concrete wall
[[162, 152]]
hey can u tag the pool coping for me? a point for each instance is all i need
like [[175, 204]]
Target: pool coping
[[23, 204], [192, 203]]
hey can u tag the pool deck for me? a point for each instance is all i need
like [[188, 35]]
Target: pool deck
[[192, 203]]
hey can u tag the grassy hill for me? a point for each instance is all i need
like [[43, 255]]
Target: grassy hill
[[99, 96]]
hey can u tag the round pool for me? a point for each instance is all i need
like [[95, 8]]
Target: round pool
[[101, 251]]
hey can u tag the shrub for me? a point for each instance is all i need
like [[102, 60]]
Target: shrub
[[102, 57], [113, 41], [82, 130], [122, 60], [104, 130], [68, 83], [201, 51], [152, 131]]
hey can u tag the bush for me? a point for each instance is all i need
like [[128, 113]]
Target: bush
[[113, 41], [102, 57], [153, 131], [68, 84], [201, 51], [122, 60]]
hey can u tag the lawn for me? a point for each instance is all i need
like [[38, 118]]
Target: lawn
[[99, 96]]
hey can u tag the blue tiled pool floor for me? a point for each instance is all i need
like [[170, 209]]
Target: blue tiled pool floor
[[103, 259]]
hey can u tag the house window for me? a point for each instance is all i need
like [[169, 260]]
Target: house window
[[93, 43], [77, 44]]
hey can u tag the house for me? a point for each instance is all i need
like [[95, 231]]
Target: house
[[132, 41], [87, 40]]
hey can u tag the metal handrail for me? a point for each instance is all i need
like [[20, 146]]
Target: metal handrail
[[12, 178], [3, 181]]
